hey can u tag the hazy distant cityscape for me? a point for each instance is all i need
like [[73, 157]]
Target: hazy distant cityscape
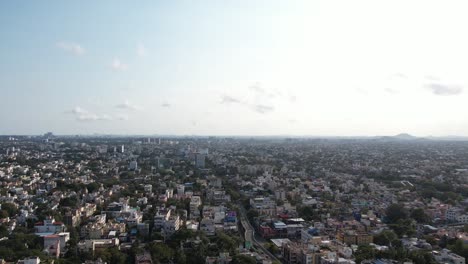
[[233, 200]]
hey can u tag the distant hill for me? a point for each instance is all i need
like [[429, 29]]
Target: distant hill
[[404, 136]]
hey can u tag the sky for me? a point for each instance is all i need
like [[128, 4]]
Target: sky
[[244, 67]]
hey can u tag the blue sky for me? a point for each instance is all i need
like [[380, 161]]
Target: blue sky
[[234, 67]]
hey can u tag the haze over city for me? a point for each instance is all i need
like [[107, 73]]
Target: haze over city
[[331, 68]]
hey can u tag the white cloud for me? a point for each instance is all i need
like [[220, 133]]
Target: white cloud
[[141, 51], [398, 75], [226, 99], [260, 102], [71, 47], [117, 65], [79, 111], [82, 114], [444, 89], [93, 117], [257, 87], [166, 104], [87, 117], [128, 106], [262, 109], [391, 90]]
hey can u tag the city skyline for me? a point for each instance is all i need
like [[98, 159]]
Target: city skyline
[[296, 68]]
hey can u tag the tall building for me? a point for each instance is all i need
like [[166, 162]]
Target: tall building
[[122, 149], [195, 202], [200, 160], [133, 165], [203, 151]]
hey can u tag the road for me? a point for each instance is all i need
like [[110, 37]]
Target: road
[[250, 235]]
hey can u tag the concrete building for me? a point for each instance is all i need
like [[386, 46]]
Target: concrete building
[[133, 165], [49, 226], [200, 160], [207, 225], [171, 225], [446, 256], [91, 245], [195, 202]]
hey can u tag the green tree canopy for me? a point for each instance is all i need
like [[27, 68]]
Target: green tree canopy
[[419, 215], [10, 208], [385, 238], [243, 259], [396, 212]]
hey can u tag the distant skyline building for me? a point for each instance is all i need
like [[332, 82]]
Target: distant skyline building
[[200, 160], [133, 165], [204, 151]]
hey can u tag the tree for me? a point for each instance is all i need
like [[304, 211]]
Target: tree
[[385, 238], [111, 255], [403, 227], [226, 242], [396, 212], [117, 256], [364, 252], [180, 257], [459, 248], [308, 213], [3, 214], [69, 201], [272, 248], [243, 259], [251, 214], [10, 209], [92, 187], [3, 231], [160, 252], [419, 215], [421, 257]]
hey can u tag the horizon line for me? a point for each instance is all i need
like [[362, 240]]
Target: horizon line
[[238, 135]]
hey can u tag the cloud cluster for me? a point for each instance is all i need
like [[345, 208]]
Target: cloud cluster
[[438, 88], [226, 99], [257, 87], [262, 109], [166, 104], [79, 111], [263, 93], [93, 117], [126, 105], [71, 47], [82, 114], [399, 82], [261, 101], [116, 64], [256, 107]]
